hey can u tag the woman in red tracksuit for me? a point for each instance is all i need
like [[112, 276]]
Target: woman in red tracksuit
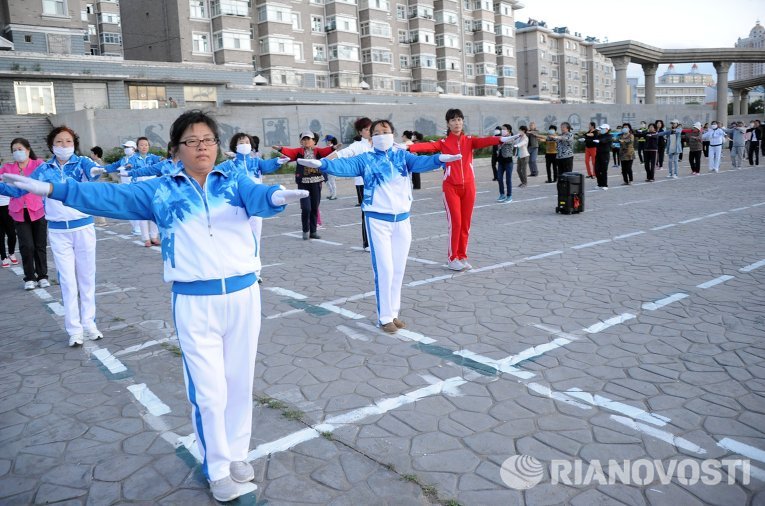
[[459, 182]]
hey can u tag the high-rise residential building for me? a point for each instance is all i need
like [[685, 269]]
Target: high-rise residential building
[[554, 65], [45, 26], [104, 30], [756, 39], [674, 87]]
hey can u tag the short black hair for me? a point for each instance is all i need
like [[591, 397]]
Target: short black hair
[[628, 126], [382, 122], [508, 127], [188, 118], [25, 143], [63, 128], [418, 136], [142, 139], [552, 127], [96, 150], [255, 140], [454, 113], [361, 123], [235, 140], [408, 134], [523, 128]]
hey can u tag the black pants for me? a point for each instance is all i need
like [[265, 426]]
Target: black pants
[[754, 152], [33, 244], [360, 196], [601, 171], [640, 146], [650, 164], [615, 154], [694, 158], [7, 229], [309, 206], [660, 158], [705, 148], [565, 164], [551, 162], [627, 170], [416, 184], [494, 162]]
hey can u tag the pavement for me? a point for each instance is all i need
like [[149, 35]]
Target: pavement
[[631, 331]]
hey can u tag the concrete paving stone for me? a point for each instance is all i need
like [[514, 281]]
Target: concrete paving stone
[[47, 493], [594, 497], [139, 443], [492, 498], [558, 422], [478, 422], [332, 475], [33, 465], [702, 407], [12, 431], [11, 486], [103, 493], [117, 469], [72, 475], [197, 497], [386, 484], [146, 484], [752, 402], [670, 495], [561, 442], [291, 488]]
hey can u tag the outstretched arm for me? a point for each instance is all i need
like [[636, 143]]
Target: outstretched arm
[[485, 142], [425, 147], [123, 202]]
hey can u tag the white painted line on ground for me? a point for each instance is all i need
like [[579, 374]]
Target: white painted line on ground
[[742, 449], [143, 346], [544, 255], [589, 244], [716, 281], [358, 336], [359, 296], [535, 351], [491, 267], [190, 443], [556, 331], [345, 208], [150, 401], [429, 198], [270, 265], [286, 293], [716, 214], [300, 236], [738, 209], [662, 435], [17, 270], [57, 308], [653, 306], [341, 311], [40, 292], [635, 202], [109, 361], [123, 236], [758, 204], [423, 261], [618, 407], [495, 364], [558, 396], [616, 320], [664, 226], [448, 387], [110, 232], [753, 266], [120, 290], [281, 315], [429, 280], [406, 334], [631, 234], [691, 220]]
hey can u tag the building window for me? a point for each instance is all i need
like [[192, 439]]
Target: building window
[[105, 17], [232, 40], [297, 22], [34, 98], [274, 13], [198, 9], [317, 24], [376, 55], [200, 94], [469, 69], [403, 61], [110, 38], [375, 29], [200, 42], [54, 7], [230, 7], [319, 55], [342, 24], [297, 50], [146, 96], [403, 37], [276, 45], [401, 12], [343, 52]]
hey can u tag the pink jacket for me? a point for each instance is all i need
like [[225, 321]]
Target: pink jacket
[[33, 203]]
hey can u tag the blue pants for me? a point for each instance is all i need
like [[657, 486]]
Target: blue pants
[[672, 164], [505, 169]]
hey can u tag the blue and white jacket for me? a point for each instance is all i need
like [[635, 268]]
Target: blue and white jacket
[[136, 161], [716, 137], [166, 166], [254, 167], [387, 177], [76, 170], [205, 231]]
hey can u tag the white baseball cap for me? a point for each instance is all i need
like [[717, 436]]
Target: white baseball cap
[[697, 125], [675, 121], [605, 126], [129, 144], [307, 133]]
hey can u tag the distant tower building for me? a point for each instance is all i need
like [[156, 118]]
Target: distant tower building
[[756, 39], [679, 88]]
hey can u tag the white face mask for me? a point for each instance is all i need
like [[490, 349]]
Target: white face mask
[[714, 127], [244, 149], [129, 151], [551, 132], [382, 142], [20, 155], [625, 130], [63, 153]]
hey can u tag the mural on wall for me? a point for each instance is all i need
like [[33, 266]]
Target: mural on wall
[[519, 121], [599, 119], [426, 126], [630, 117], [151, 132], [347, 132], [489, 124], [226, 133], [315, 127], [575, 121], [276, 131], [550, 119]]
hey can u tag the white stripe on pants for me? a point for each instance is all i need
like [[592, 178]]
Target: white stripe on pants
[[148, 230], [74, 252], [256, 225], [389, 244], [715, 152], [218, 335]]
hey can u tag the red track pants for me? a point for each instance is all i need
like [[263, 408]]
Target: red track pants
[[459, 201]]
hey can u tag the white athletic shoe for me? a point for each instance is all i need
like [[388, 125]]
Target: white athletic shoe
[[226, 489], [44, 283], [30, 285], [93, 334], [455, 265], [466, 264], [75, 339], [241, 471]]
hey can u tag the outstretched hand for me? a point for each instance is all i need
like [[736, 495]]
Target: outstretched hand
[[282, 160], [97, 171], [284, 197], [508, 138], [309, 163], [27, 184], [449, 158]]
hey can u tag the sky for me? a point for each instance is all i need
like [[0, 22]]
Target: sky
[[669, 24]]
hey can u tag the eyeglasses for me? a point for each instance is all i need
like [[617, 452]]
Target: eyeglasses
[[193, 143]]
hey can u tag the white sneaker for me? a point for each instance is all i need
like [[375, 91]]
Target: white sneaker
[[674, 177], [75, 339], [226, 489], [455, 265], [44, 283], [466, 264], [137, 232], [367, 249], [13, 259], [241, 471], [6, 263], [604, 187], [30, 285], [93, 334]]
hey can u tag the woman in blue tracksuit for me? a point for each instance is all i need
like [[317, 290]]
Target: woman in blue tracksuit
[[208, 252], [387, 173], [72, 235]]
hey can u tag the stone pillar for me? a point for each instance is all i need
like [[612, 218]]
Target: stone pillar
[[649, 71], [736, 101], [744, 109], [722, 68], [620, 66]]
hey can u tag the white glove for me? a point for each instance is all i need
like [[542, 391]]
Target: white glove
[[309, 163], [284, 197], [28, 184], [282, 160], [402, 147], [449, 158], [596, 141], [122, 172], [97, 171], [508, 138]]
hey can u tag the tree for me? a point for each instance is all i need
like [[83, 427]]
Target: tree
[[756, 107]]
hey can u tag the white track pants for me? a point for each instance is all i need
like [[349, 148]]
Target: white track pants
[[218, 335], [148, 230], [74, 252], [715, 153], [256, 225], [389, 244]]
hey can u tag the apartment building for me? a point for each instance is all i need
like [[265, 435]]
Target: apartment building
[[674, 87], [44, 26], [756, 39], [555, 65], [104, 29]]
